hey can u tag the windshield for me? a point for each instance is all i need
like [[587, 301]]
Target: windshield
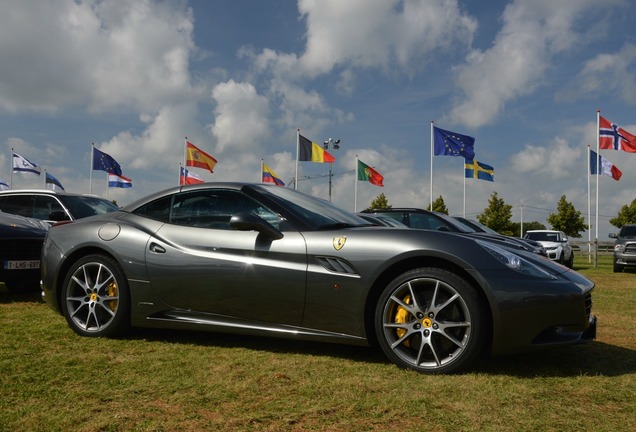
[[82, 206], [315, 212], [543, 236]]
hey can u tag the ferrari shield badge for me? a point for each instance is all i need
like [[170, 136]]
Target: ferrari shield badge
[[339, 242]]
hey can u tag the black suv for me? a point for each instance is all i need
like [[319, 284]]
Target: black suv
[[624, 247], [53, 206]]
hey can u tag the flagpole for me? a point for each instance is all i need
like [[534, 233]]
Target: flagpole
[[598, 158], [589, 230], [185, 153], [297, 156], [355, 188], [464, 189], [11, 171], [431, 165], [179, 175], [45, 178], [262, 171], [90, 175]]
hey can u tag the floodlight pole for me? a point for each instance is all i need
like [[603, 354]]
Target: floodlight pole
[[334, 144]]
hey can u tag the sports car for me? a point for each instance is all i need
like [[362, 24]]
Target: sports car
[[261, 259]]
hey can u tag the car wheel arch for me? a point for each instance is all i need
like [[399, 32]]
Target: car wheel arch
[[72, 259], [412, 263]]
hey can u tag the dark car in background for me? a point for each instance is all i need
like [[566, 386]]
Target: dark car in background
[[53, 206], [264, 260], [20, 249], [425, 219], [478, 226], [624, 247]]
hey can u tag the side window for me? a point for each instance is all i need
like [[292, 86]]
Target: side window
[[422, 221], [157, 210], [18, 204], [213, 208], [43, 206]]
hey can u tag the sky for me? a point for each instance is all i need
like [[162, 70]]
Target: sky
[[240, 78]]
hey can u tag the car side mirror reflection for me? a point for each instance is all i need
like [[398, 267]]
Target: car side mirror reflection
[[251, 222]]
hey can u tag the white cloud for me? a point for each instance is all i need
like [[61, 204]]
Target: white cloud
[[241, 116], [606, 74], [554, 161], [103, 55], [532, 34]]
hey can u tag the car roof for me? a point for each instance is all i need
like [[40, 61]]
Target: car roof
[[44, 192]]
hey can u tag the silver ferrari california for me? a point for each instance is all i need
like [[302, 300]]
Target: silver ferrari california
[[265, 260]]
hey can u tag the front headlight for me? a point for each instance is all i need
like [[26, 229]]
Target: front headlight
[[515, 262], [619, 248]]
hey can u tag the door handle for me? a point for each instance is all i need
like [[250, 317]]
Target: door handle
[[154, 247]]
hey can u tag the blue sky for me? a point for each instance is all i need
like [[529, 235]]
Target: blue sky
[[239, 77]]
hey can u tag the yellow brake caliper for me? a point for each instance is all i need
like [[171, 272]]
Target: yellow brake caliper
[[112, 292], [401, 316]]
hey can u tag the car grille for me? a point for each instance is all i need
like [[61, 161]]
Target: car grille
[[630, 248]]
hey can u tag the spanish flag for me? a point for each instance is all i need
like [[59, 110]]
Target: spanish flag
[[269, 176], [312, 152], [196, 157]]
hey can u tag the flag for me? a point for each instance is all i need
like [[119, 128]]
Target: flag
[[187, 177], [50, 179], [366, 173], [478, 170], [3, 185], [602, 166], [613, 137], [269, 176], [453, 144], [104, 162], [21, 164], [196, 157], [120, 181], [312, 152]]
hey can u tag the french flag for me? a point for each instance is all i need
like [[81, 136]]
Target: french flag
[[115, 180]]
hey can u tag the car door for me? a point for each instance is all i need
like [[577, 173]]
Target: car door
[[197, 262]]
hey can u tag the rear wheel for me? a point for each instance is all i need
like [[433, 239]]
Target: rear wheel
[[95, 299], [431, 320]]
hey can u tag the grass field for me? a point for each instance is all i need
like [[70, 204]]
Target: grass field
[[53, 380]]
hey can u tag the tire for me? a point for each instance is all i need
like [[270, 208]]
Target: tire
[[570, 262], [617, 267], [95, 297], [431, 321]]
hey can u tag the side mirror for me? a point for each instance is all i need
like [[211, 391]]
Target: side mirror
[[58, 216], [613, 235], [251, 222]]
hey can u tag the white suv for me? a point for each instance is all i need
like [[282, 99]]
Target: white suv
[[555, 243]]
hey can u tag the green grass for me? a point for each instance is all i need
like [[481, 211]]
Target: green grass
[[53, 380]]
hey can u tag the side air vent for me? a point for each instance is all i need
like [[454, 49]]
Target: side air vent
[[336, 265]]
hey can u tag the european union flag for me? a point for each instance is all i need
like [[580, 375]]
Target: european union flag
[[104, 162], [478, 170], [453, 144]]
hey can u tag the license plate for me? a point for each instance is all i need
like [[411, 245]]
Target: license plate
[[22, 265]]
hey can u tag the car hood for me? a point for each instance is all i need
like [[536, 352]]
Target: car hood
[[18, 226]]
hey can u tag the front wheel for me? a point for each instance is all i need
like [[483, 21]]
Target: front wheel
[[95, 298], [617, 267], [431, 320]]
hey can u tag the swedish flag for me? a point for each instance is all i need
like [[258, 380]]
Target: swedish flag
[[478, 170]]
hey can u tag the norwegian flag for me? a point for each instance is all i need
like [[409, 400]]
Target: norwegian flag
[[613, 137]]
